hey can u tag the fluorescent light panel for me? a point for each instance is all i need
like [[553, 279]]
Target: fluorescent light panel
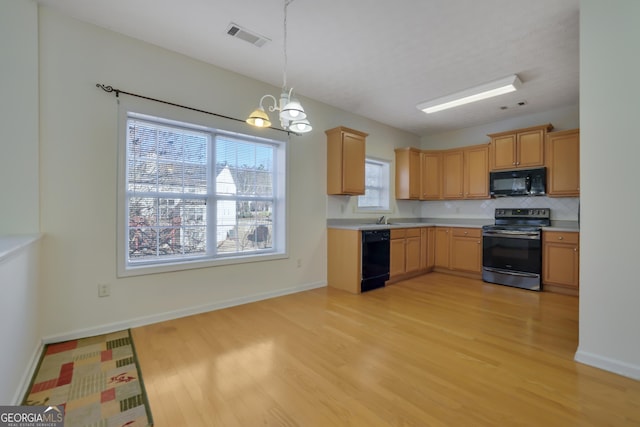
[[488, 90]]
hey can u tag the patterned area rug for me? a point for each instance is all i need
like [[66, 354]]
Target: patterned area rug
[[97, 380]]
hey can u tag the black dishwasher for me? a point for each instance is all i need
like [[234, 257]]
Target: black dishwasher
[[375, 259]]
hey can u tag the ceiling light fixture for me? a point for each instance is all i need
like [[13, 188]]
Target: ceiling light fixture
[[487, 90], [292, 115]]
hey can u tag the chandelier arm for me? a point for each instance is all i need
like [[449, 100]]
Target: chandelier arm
[[273, 107]]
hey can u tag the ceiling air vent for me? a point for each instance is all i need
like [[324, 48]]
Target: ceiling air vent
[[235, 30]]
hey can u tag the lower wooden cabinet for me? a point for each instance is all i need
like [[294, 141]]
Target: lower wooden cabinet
[[442, 247], [344, 249], [466, 249], [561, 260], [397, 253], [411, 252]]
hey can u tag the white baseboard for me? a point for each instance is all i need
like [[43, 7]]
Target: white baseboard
[[612, 365], [25, 381], [148, 320]]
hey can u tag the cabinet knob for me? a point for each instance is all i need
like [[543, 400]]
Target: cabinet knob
[[560, 237], [514, 163], [466, 232]]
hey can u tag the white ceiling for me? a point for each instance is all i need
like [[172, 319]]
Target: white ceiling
[[374, 58]]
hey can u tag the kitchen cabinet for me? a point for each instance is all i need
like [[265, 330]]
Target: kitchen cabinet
[[344, 252], [441, 259], [452, 174], [466, 173], [408, 173], [397, 252], [563, 163], [466, 249], [405, 248], [430, 175], [345, 161], [427, 246], [412, 250], [521, 148], [476, 172], [561, 260]]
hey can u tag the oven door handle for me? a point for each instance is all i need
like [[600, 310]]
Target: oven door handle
[[510, 272], [533, 235]]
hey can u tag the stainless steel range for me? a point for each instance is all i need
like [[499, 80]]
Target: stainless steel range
[[512, 248]]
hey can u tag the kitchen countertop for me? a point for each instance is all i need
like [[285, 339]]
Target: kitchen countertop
[[358, 224]]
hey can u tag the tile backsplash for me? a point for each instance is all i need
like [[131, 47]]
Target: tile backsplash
[[562, 208]]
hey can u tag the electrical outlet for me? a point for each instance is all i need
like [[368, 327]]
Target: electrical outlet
[[104, 290]]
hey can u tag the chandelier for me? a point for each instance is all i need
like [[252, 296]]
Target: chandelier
[[291, 114]]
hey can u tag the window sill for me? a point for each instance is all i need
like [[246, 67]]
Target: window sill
[[141, 270]]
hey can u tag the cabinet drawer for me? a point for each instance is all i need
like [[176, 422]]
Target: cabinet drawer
[[413, 232], [398, 233], [466, 232], [562, 237]]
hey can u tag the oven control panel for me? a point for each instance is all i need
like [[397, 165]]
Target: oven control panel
[[534, 213]]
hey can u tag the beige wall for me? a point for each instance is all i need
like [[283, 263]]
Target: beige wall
[[19, 211], [610, 200], [78, 169]]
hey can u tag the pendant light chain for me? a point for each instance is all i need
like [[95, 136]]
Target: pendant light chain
[[290, 112], [284, 44]]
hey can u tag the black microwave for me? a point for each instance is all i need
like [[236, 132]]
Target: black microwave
[[522, 182]]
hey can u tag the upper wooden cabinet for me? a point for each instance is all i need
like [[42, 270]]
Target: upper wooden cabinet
[[476, 172], [430, 175], [563, 163], [408, 173], [345, 161], [466, 173], [521, 148], [452, 174]]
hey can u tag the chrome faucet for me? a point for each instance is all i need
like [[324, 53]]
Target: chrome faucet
[[381, 220]]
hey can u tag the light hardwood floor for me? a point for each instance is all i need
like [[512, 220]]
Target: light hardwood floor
[[435, 350]]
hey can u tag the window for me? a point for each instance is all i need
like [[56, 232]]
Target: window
[[199, 195], [376, 192]]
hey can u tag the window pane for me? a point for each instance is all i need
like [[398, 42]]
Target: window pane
[[171, 177], [244, 226], [376, 194], [249, 164]]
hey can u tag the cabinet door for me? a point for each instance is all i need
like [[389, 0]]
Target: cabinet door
[[561, 260], [431, 247], [424, 241], [353, 151], [530, 149], [412, 254], [397, 257], [503, 152], [345, 161], [453, 169], [431, 176], [476, 173], [563, 163], [408, 174], [442, 247], [466, 254]]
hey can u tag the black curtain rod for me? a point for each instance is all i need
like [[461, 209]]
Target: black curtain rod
[[110, 89]]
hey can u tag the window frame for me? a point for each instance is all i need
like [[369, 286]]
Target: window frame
[[386, 189], [173, 117]]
